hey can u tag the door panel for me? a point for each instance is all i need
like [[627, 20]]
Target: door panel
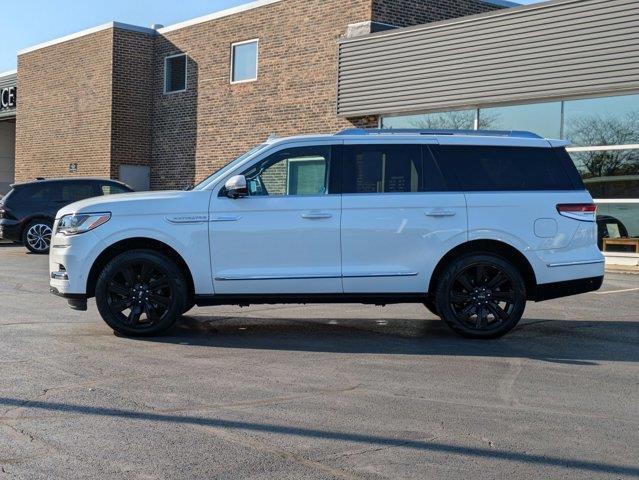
[[285, 236], [398, 220], [392, 243]]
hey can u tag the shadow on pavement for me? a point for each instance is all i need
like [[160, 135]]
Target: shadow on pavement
[[255, 427], [557, 341]]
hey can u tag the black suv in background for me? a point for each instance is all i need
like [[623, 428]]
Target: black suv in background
[[27, 212]]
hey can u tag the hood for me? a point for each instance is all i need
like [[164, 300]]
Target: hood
[[142, 203]]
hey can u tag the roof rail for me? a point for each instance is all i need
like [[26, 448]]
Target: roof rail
[[419, 131]]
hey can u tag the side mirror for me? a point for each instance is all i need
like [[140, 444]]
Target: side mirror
[[236, 187]]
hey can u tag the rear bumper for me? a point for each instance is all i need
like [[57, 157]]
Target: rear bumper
[[10, 230], [549, 291]]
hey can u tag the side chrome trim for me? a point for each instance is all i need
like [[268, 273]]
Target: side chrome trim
[[311, 277], [225, 218], [188, 219], [572, 264]]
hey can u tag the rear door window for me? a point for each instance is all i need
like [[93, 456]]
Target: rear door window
[[387, 168], [490, 168]]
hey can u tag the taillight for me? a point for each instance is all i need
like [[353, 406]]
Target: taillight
[[4, 212], [585, 212]]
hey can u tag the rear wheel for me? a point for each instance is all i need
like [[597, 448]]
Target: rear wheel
[[37, 236], [481, 296], [141, 293]]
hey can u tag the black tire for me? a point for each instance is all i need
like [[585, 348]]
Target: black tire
[[481, 296], [140, 293], [431, 306], [37, 236]]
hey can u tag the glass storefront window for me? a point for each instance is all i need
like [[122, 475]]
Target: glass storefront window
[[541, 118], [618, 221], [602, 121], [609, 173], [456, 120]]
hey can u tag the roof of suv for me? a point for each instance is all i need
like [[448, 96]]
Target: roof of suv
[[45, 181]]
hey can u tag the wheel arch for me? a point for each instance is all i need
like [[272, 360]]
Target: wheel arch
[[133, 244], [36, 216], [504, 250]]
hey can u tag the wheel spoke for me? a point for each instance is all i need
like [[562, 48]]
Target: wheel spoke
[[128, 275], [134, 315], [468, 311], [164, 301], [482, 318], [458, 297], [145, 273], [508, 297], [118, 289], [497, 280], [159, 283], [151, 314], [498, 312], [465, 282], [121, 305], [480, 273]]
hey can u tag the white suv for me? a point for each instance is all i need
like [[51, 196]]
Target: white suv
[[471, 224]]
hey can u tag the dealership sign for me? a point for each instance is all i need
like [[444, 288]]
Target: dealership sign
[[8, 98]]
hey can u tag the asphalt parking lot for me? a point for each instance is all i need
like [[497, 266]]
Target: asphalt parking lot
[[316, 391]]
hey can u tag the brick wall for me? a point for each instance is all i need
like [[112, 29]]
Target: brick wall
[[404, 13], [64, 113], [132, 99], [198, 131]]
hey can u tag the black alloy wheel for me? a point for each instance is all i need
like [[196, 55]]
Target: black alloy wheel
[[481, 296], [140, 293]]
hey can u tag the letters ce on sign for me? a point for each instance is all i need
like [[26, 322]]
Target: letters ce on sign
[[8, 98]]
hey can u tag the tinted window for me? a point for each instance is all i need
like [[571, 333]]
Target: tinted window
[[76, 191], [505, 168], [293, 171], [37, 193], [389, 169]]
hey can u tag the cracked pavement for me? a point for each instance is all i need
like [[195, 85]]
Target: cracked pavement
[[336, 392]]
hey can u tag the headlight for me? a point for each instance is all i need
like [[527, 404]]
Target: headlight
[[81, 223]]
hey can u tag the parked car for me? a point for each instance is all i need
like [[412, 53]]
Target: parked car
[[28, 211], [472, 224]]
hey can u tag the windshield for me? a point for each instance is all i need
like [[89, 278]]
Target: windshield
[[220, 172]]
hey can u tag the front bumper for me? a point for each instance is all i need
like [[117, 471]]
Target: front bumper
[[76, 301], [70, 260], [10, 230]]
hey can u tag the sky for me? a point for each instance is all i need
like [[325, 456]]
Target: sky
[[30, 22]]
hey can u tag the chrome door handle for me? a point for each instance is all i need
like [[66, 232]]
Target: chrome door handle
[[441, 213], [316, 216]]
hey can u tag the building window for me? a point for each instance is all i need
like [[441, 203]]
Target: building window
[[542, 118], [175, 73], [455, 120], [244, 57]]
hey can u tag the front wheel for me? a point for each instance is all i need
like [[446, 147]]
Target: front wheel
[[140, 293], [481, 296]]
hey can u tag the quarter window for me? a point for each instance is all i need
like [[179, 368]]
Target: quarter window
[[294, 171], [175, 73], [505, 168], [244, 61], [389, 169]]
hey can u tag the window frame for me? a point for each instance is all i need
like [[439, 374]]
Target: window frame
[[186, 73], [257, 61]]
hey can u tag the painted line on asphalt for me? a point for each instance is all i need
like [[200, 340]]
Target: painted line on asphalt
[[618, 291]]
